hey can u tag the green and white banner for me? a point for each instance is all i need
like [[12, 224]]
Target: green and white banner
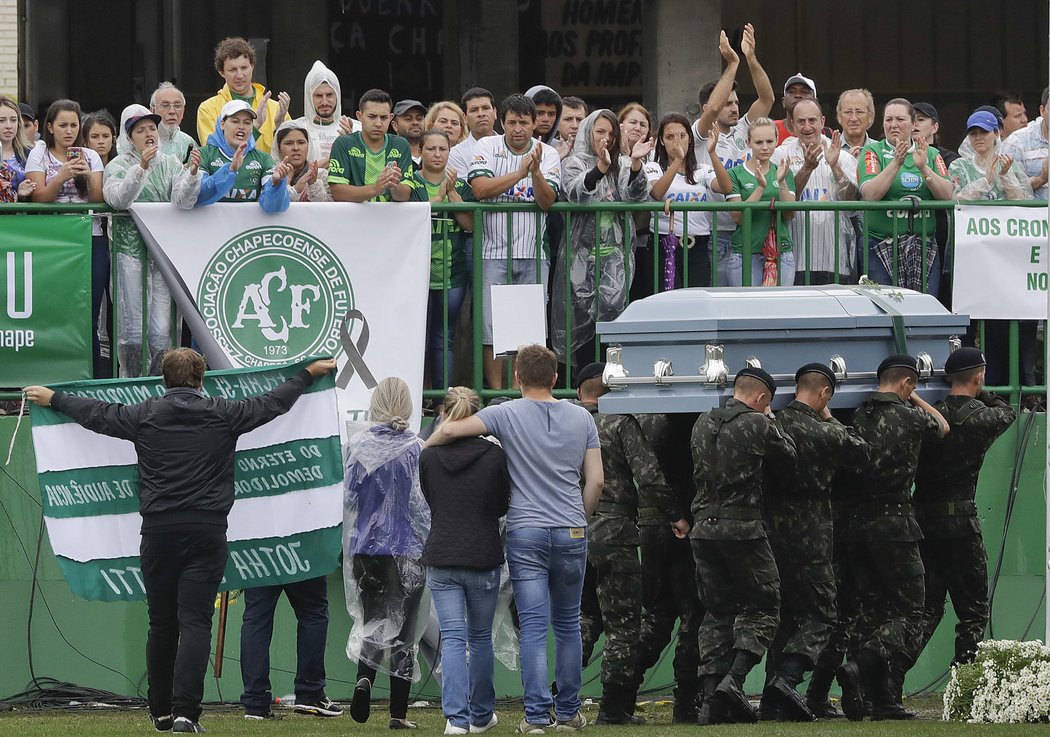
[[288, 502], [45, 299], [1000, 270], [338, 279]]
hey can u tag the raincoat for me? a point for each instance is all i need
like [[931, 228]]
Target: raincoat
[[173, 141], [252, 181], [386, 521], [165, 180], [322, 135], [598, 272], [208, 115], [969, 174]]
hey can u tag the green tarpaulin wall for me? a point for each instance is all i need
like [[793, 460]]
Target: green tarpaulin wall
[[102, 645]]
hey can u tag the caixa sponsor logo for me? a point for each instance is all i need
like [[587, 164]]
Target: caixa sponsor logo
[[274, 294]]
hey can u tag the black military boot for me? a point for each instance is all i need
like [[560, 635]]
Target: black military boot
[[709, 710], [616, 706], [768, 705], [730, 692], [851, 681], [783, 687], [888, 698], [817, 695], [685, 697]]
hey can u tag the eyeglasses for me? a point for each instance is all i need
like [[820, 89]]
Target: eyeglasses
[[854, 113], [171, 106]]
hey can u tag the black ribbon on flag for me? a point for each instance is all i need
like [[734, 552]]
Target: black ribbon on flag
[[355, 352]]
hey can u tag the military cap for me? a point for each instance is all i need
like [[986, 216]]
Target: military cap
[[760, 374], [817, 368], [898, 360], [589, 371], [964, 359]]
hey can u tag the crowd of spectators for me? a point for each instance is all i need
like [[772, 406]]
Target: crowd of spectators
[[525, 149]]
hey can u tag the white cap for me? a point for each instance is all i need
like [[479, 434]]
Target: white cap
[[235, 106], [799, 78]]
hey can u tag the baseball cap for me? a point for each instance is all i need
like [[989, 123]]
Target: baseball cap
[[964, 359], [589, 371], [236, 106], [26, 111], [132, 121], [985, 120], [817, 368], [898, 360], [927, 110], [993, 110], [405, 105], [800, 78], [760, 374]]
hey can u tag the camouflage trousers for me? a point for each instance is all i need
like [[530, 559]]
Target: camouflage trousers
[[740, 587], [843, 634], [889, 588], [669, 593], [808, 612], [956, 568], [612, 603]]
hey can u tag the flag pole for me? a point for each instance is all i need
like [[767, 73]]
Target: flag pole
[[220, 638]]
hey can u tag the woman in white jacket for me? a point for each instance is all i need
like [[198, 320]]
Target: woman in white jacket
[[143, 174]]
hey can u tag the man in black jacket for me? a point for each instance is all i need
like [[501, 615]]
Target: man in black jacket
[[185, 443]]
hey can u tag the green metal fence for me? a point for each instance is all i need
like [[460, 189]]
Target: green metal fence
[[651, 249]]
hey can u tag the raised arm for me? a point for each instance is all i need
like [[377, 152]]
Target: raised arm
[[759, 108]]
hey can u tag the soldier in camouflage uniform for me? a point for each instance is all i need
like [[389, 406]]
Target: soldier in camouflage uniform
[[669, 590], [953, 548], [884, 538], [631, 470], [733, 448], [799, 523]]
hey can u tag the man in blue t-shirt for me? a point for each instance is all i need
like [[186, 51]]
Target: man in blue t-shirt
[[555, 464]]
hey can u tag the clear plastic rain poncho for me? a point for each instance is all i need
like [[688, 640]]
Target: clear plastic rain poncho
[[969, 174], [599, 257], [386, 521], [165, 180]]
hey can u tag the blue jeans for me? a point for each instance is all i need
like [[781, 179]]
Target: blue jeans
[[309, 600], [439, 340], [785, 274], [546, 570], [465, 601]]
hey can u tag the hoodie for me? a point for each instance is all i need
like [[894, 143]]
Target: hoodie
[[322, 135], [531, 94], [467, 486], [251, 182]]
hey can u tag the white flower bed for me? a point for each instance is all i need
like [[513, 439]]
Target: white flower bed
[[1008, 683]]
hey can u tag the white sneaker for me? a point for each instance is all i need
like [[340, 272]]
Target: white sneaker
[[487, 727], [452, 729]]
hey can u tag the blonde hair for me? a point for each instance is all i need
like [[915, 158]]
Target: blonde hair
[[20, 143], [460, 402], [391, 404], [437, 107], [761, 123]]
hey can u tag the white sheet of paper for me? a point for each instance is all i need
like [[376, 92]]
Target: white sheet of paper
[[518, 316]]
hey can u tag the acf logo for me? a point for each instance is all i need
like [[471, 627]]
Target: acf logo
[[274, 294]]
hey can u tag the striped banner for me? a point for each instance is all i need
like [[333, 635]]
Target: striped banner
[[287, 513]]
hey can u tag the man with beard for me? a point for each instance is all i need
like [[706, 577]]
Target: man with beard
[[323, 113], [169, 103], [408, 123]]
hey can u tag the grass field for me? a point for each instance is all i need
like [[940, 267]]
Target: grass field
[[227, 721]]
